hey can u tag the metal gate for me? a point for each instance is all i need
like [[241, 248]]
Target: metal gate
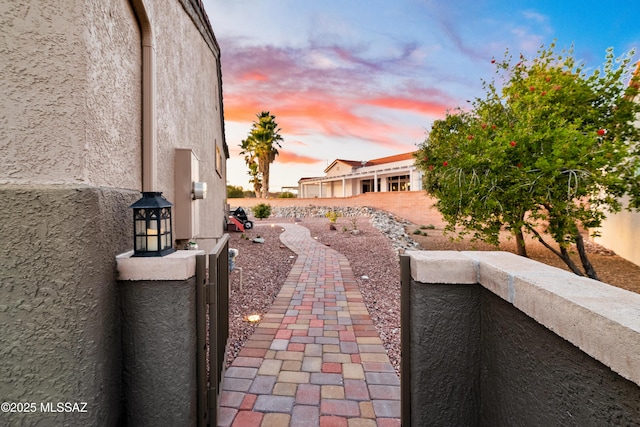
[[212, 327]]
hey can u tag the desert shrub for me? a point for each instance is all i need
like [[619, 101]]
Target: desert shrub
[[262, 210]]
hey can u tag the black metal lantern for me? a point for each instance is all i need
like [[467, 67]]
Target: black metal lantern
[[152, 235]]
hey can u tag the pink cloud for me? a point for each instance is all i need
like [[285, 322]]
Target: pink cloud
[[410, 104], [331, 91], [290, 157]]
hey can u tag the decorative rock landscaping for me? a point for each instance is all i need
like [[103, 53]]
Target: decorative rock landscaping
[[388, 224]]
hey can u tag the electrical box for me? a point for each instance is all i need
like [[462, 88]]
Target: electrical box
[[187, 188]]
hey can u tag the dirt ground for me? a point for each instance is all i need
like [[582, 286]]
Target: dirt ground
[[610, 268]]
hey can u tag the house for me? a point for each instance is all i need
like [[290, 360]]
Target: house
[[344, 178], [101, 100]]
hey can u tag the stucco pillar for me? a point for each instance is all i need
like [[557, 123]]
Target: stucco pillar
[[158, 303]]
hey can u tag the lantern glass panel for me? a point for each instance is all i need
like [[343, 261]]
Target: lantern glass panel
[[141, 243], [152, 242], [141, 227]]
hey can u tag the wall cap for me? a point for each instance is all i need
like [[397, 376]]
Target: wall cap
[[443, 267], [600, 319], [180, 265]]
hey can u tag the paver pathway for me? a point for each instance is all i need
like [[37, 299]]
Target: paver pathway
[[315, 359]]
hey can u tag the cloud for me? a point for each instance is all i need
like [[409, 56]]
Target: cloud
[[339, 92], [290, 157]]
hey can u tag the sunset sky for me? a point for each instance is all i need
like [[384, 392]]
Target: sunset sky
[[362, 79]]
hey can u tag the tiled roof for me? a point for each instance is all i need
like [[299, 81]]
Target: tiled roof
[[381, 161], [391, 159]]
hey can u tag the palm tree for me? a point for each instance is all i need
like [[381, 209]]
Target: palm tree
[[259, 151]]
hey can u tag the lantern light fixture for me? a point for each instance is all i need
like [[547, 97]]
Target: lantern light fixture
[[152, 233]]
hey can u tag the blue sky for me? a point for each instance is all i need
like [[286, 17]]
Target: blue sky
[[362, 79]]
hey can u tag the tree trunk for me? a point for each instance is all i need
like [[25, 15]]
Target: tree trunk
[[586, 264], [567, 260], [520, 245], [265, 181], [563, 254]]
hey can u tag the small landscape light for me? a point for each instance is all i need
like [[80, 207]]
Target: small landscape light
[[253, 318], [152, 234]]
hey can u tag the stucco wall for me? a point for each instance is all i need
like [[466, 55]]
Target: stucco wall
[[444, 369], [501, 340], [188, 109], [71, 81], [159, 346], [43, 87], [113, 118], [60, 339], [70, 165], [532, 377], [620, 233]]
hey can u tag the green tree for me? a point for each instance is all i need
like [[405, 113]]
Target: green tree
[[550, 152], [259, 151], [235, 192]]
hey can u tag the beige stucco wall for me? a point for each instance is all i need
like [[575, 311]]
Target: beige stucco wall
[[73, 98], [620, 233], [71, 86], [340, 169], [113, 121], [188, 110]]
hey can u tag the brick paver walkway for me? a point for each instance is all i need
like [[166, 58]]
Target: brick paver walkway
[[315, 359]]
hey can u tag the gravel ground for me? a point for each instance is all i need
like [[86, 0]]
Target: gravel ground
[[375, 265]]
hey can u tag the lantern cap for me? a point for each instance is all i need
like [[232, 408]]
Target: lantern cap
[[151, 199]]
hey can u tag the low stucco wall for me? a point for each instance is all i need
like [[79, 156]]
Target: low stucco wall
[[414, 206], [60, 339], [159, 346], [500, 340]]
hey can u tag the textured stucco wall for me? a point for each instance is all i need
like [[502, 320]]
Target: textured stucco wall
[[43, 85], [445, 334], [113, 116], [188, 109], [60, 339], [70, 165], [159, 347], [515, 371], [532, 377], [71, 84]]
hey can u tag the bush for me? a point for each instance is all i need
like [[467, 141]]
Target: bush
[[262, 210], [333, 216], [286, 195], [234, 192]]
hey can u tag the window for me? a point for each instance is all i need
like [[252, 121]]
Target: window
[[218, 160], [398, 183]]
